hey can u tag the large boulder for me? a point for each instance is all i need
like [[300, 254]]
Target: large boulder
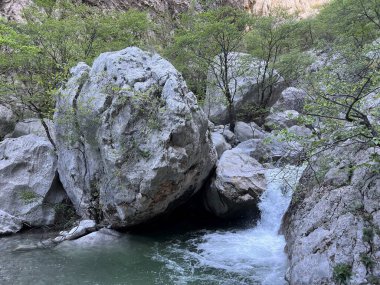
[[245, 83], [332, 225], [29, 183], [7, 121], [291, 99], [282, 120], [272, 149], [238, 184], [132, 141]]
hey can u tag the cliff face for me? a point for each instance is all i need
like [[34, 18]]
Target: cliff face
[[12, 9], [305, 8]]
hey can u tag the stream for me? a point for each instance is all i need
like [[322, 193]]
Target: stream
[[251, 254]]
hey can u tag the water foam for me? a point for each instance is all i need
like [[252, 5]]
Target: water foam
[[253, 256]]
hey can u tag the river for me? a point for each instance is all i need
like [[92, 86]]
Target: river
[[234, 255]]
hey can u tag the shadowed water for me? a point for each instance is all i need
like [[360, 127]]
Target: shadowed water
[[237, 255]]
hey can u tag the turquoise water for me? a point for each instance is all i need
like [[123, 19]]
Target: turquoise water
[[234, 255]]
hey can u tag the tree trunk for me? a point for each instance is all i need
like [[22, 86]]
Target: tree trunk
[[232, 116]]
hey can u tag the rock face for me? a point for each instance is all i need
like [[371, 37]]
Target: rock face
[[245, 83], [304, 8], [28, 180], [12, 9], [237, 186], [132, 141], [333, 226], [7, 121]]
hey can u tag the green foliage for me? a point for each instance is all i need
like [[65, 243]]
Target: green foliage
[[356, 21], [342, 273], [368, 235], [367, 261], [36, 55], [28, 196], [201, 37]]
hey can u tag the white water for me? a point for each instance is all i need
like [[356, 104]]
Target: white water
[[249, 256]]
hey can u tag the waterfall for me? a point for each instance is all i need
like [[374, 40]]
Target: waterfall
[[246, 256]]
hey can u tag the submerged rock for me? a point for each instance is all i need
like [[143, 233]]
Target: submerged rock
[[132, 141], [237, 187], [102, 237], [333, 221], [28, 180]]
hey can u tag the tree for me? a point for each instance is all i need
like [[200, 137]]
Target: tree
[[35, 56], [345, 97], [206, 43], [269, 39]]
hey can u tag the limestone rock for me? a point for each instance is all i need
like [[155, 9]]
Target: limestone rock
[[12, 9], [245, 77], [220, 143], [237, 187], [84, 227], [103, 237], [244, 131], [300, 131], [272, 149], [28, 180], [333, 218], [282, 120], [132, 141], [291, 99], [9, 224], [32, 126]]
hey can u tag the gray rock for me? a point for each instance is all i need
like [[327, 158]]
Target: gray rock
[[132, 141], [333, 218], [281, 120], [103, 237], [32, 126], [9, 224], [246, 75], [272, 149], [220, 143], [237, 187], [84, 227], [244, 131], [7, 121], [28, 180], [300, 131], [291, 99], [229, 136]]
